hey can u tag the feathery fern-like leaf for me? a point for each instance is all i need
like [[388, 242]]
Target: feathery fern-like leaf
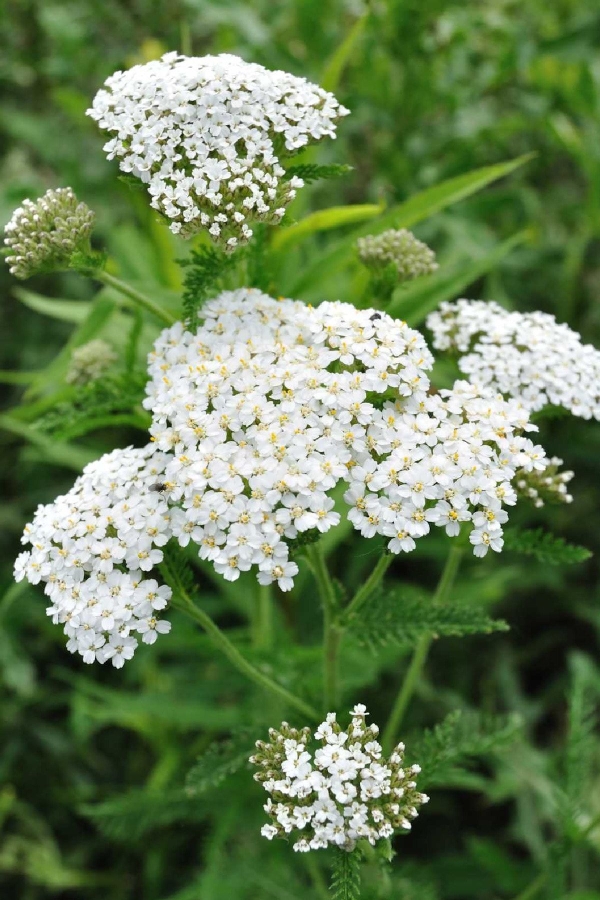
[[310, 172], [544, 546], [345, 876], [221, 759], [204, 269], [131, 816], [460, 736], [404, 614]]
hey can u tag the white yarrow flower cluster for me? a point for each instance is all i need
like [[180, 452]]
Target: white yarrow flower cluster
[[271, 403], [93, 549], [525, 355], [344, 792], [205, 134]]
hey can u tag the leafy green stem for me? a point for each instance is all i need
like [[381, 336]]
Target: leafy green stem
[[133, 294], [185, 603], [263, 617], [421, 652]]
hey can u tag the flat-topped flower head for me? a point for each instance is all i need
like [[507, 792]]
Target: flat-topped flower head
[[529, 356], [399, 249], [43, 235], [269, 404], [340, 793], [206, 134], [93, 550]]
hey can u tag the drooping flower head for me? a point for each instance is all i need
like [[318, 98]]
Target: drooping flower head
[[206, 134], [270, 403], [341, 793], [529, 356], [93, 549], [399, 249], [44, 234]]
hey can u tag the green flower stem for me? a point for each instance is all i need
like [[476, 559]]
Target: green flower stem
[[220, 640], [533, 889], [420, 654], [263, 617], [132, 294], [332, 633], [366, 590]]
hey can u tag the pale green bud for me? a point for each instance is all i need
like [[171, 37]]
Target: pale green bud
[[400, 249], [43, 235], [89, 361]]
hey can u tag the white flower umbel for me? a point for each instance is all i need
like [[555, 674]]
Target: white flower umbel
[[205, 134], [271, 403], [525, 355], [341, 793], [43, 235], [93, 549]]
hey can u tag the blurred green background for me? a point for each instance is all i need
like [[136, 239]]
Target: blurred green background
[[92, 763]]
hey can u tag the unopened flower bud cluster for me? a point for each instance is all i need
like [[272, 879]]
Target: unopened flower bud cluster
[[43, 235], [93, 550], [270, 404], [399, 248], [89, 361], [549, 486], [525, 355], [341, 793], [205, 135]]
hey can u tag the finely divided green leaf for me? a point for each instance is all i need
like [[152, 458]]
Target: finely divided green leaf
[[345, 876], [544, 546], [222, 758], [131, 816], [404, 614], [310, 172], [462, 735]]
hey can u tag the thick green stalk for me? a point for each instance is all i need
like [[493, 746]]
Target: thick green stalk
[[220, 640], [131, 293], [332, 633], [263, 617], [420, 654]]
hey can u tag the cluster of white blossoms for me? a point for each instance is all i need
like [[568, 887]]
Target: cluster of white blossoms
[[271, 403], [205, 135], [548, 486], [399, 248], [525, 355], [43, 234], [93, 549], [344, 792]]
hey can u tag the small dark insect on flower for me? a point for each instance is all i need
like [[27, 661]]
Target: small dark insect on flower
[[375, 316], [159, 487]]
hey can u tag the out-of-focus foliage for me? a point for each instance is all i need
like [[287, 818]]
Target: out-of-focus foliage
[[93, 764]]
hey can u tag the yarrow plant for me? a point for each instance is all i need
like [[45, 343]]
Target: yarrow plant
[[344, 792], [268, 423], [207, 134]]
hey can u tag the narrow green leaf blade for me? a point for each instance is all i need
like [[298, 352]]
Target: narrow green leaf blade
[[334, 69], [416, 300], [417, 208], [325, 220]]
